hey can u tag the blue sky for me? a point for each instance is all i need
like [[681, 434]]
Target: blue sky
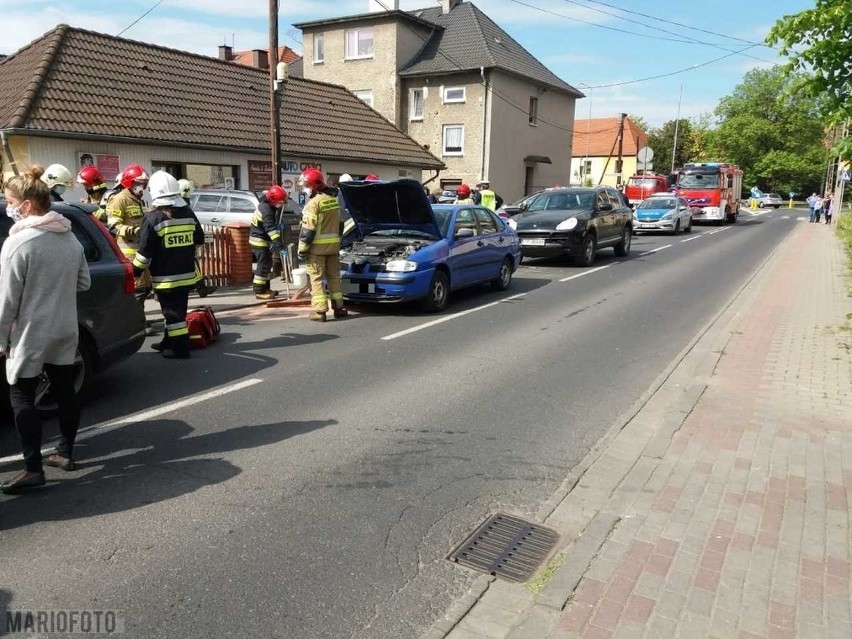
[[585, 47]]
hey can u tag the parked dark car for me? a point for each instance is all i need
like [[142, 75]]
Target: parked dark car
[[111, 319], [576, 222]]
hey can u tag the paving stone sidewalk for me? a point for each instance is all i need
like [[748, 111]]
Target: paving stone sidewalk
[[738, 525]]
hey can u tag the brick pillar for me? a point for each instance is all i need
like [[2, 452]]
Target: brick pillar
[[240, 268]]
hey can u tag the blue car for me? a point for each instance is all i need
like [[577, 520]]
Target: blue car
[[663, 212], [404, 248]]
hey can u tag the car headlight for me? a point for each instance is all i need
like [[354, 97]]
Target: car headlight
[[567, 225], [667, 216], [512, 224], [400, 266]]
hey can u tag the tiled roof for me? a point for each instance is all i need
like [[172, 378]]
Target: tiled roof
[[468, 40], [285, 54], [69, 81], [595, 137]]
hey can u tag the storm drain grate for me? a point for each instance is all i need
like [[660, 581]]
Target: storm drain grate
[[507, 547]]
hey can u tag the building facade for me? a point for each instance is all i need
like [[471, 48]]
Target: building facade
[[595, 152]]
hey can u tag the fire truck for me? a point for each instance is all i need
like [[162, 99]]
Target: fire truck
[[644, 185], [712, 189]]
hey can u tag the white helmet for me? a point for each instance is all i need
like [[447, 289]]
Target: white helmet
[[344, 178], [57, 175], [117, 182], [186, 188], [164, 190]]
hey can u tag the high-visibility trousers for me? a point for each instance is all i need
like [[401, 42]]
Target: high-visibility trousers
[[324, 267], [262, 270], [173, 303]]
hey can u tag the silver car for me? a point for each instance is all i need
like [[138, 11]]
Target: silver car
[[770, 200], [215, 208]]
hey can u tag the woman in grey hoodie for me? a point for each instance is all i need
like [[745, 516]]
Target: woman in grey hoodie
[[42, 267]]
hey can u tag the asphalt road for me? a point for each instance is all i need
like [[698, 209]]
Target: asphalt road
[[320, 497]]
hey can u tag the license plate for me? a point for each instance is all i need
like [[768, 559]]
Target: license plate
[[350, 287], [647, 226], [533, 242]]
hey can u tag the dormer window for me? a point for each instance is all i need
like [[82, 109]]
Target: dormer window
[[359, 43]]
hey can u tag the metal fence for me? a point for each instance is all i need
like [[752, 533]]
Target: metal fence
[[216, 256]]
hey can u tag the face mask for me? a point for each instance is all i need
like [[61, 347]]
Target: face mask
[[307, 191], [137, 190], [14, 212], [59, 189]]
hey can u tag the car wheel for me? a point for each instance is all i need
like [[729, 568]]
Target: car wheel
[[676, 229], [84, 371], [586, 255], [505, 279], [688, 228], [439, 293], [622, 249]]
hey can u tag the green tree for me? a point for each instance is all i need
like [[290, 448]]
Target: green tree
[[819, 41], [774, 135], [662, 140]]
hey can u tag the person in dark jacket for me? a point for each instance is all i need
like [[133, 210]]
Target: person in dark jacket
[[265, 239], [169, 234]]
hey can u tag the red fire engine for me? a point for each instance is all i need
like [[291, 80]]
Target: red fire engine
[[712, 189], [644, 185]]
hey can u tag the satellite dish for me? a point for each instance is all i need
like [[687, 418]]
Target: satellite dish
[[645, 154]]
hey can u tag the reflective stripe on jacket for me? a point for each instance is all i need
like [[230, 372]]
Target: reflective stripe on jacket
[[321, 226], [124, 217], [264, 226], [167, 244]]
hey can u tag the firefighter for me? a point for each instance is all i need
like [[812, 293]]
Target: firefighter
[[186, 189], [169, 234], [463, 195], [116, 188], [93, 181], [371, 177], [319, 244], [265, 239], [488, 198], [58, 179], [124, 217]]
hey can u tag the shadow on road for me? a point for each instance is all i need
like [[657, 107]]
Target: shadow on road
[[166, 462]]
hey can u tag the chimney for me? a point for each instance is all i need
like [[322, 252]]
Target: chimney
[[375, 6], [448, 5], [260, 59], [226, 53]]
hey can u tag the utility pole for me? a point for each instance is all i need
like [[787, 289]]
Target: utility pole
[[274, 94], [677, 128], [619, 164]]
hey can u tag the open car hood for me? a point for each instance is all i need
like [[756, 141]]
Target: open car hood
[[399, 204]]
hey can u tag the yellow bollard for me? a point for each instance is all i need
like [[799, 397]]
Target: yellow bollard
[[753, 204], [791, 204]]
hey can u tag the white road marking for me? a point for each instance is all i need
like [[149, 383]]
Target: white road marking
[[724, 228], [593, 270], [659, 248], [99, 429], [689, 239], [785, 217], [447, 318]]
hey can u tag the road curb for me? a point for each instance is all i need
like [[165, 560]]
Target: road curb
[[585, 509]]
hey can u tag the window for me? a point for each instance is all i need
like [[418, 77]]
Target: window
[[207, 203], [319, 47], [212, 176], [464, 220], [601, 200], [485, 222], [534, 111], [585, 168], [359, 44], [90, 250], [365, 95], [454, 94], [241, 205], [453, 139], [417, 103]]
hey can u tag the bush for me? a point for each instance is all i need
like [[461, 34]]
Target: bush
[[844, 232]]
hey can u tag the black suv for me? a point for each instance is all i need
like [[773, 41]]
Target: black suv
[[574, 221]]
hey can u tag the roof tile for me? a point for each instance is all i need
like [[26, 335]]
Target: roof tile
[[596, 137]]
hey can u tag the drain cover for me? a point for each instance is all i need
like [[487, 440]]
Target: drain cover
[[506, 547]]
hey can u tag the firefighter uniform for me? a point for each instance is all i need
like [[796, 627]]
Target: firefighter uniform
[[319, 242], [265, 239], [464, 200], [124, 219], [98, 198], [166, 249]]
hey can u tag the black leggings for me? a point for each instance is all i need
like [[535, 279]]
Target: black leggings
[[28, 421]]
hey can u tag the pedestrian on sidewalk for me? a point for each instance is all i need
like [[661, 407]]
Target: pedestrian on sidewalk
[[42, 266], [818, 204], [812, 199], [168, 238], [826, 207]]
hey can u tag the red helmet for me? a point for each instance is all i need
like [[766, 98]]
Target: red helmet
[[372, 177], [276, 196], [313, 179], [463, 191], [90, 176], [133, 173]]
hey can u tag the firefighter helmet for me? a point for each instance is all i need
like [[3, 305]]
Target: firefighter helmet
[[463, 191], [57, 175], [344, 178], [133, 173], [371, 177], [90, 176], [313, 179], [186, 188], [164, 189], [276, 196]]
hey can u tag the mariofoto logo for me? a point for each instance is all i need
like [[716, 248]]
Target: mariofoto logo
[[63, 622]]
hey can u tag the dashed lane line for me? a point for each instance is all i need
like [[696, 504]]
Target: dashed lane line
[[593, 270], [659, 248], [724, 228], [689, 239]]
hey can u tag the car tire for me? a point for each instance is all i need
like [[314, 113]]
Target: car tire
[[688, 228], [676, 228], [622, 249], [503, 282], [45, 404], [586, 254], [439, 293]]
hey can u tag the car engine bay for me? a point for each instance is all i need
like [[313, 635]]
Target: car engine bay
[[379, 250]]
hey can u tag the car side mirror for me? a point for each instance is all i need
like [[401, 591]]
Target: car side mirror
[[605, 207], [463, 233], [523, 207]]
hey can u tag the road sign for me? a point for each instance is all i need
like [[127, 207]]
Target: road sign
[[646, 166], [645, 154]]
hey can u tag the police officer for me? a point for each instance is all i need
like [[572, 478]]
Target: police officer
[[463, 195], [124, 217], [169, 234], [265, 239], [319, 244], [488, 198], [95, 185], [58, 179]]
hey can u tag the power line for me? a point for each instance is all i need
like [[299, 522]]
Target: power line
[[137, 20]]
